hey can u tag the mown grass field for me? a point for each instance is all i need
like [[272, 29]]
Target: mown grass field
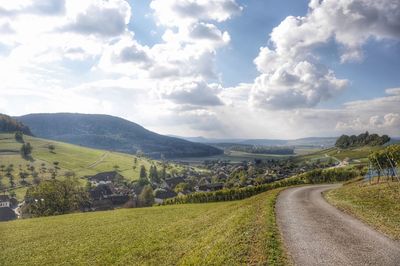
[[225, 233], [376, 204], [81, 160]]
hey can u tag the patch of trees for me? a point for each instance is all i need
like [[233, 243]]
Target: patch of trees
[[19, 136], [364, 139], [312, 177], [26, 150], [55, 197], [9, 125]]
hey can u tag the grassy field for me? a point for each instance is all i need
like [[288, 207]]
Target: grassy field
[[81, 160], [357, 155], [376, 204], [226, 233]]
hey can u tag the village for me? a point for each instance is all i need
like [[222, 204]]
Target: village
[[110, 190]]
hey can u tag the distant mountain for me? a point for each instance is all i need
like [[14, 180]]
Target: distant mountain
[[112, 133], [10, 125], [311, 141]]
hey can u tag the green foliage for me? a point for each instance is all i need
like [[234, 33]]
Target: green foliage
[[181, 187], [26, 150], [386, 159], [312, 177], [19, 136], [143, 172], [55, 197], [51, 148], [9, 125], [153, 174], [146, 197], [346, 141]]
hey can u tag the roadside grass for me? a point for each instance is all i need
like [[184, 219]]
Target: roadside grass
[[376, 204], [225, 233]]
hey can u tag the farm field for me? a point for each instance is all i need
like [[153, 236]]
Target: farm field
[[375, 204], [81, 160], [230, 233]]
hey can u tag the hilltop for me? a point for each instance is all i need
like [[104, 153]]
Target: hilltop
[[112, 133], [10, 125]]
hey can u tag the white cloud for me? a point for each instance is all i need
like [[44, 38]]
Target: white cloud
[[291, 76], [104, 18], [179, 12]]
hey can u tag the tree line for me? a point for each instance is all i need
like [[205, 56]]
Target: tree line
[[364, 139], [311, 177]]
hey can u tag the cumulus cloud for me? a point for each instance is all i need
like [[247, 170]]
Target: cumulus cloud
[[102, 18], [292, 77], [197, 93]]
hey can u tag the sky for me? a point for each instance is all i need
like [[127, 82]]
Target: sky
[[212, 68]]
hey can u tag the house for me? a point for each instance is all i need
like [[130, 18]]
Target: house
[[6, 213], [101, 191], [171, 183], [161, 194], [105, 178], [4, 201]]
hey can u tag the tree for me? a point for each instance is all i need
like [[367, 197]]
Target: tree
[[23, 176], [146, 197], [54, 197], [51, 148], [153, 174], [26, 150], [143, 172], [19, 136], [181, 187]]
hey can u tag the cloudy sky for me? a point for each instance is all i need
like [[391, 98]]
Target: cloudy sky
[[215, 68]]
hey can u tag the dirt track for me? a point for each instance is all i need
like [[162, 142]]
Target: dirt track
[[316, 233]]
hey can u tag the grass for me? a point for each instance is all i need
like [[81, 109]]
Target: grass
[[357, 155], [226, 233], [81, 160], [376, 204]]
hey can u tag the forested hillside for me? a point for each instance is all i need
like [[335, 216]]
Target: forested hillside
[[112, 133], [9, 125]]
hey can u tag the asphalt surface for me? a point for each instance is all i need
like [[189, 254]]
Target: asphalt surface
[[316, 233]]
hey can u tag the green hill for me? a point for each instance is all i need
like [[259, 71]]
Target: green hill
[[81, 160], [112, 133], [227, 233]]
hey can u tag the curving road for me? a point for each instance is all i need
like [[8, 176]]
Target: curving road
[[316, 233]]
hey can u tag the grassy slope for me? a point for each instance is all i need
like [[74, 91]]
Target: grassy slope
[[83, 161], [229, 233], [359, 153], [376, 204]]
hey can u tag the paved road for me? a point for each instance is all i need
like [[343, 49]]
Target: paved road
[[316, 233]]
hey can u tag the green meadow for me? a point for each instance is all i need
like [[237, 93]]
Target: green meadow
[[225, 233]]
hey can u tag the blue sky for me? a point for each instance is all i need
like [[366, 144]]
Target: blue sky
[[216, 68]]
